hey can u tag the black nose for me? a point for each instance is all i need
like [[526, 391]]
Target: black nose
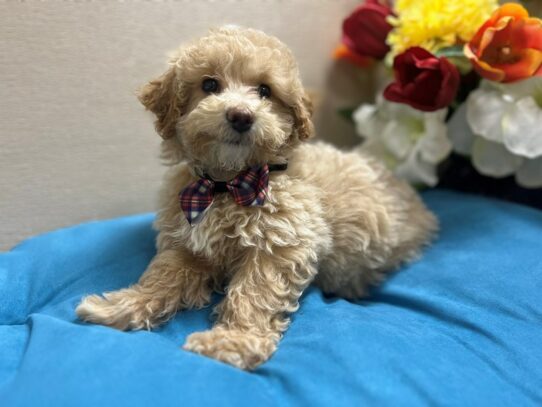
[[240, 119]]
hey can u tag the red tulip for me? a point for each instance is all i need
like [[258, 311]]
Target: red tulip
[[365, 32], [422, 80]]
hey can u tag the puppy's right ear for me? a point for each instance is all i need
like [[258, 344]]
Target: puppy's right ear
[[162, 97], [303, 109]]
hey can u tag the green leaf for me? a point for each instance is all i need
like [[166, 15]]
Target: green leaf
[[451, 52], [347, 113], [462, 64], [456, 56]]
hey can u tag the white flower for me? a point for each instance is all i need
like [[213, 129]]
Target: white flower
[[411, 142], [500, 125]]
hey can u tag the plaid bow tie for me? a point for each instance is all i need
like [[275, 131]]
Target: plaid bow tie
[[249, 188]]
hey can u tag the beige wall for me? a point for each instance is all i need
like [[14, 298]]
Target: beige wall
[[74, 142]]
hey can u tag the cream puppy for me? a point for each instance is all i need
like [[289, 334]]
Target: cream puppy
[[232, 112]]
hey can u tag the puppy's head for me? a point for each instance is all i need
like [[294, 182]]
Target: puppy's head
[[230, 100]]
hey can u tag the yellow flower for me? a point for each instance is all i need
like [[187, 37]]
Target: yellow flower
[[435, 24]]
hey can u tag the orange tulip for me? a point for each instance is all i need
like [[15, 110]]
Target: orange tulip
[[508, 46], [343, 52]]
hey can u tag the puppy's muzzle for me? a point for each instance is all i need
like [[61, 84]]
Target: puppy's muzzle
[[240, 119]]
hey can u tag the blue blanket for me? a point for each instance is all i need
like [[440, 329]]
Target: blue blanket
[[462, 326]]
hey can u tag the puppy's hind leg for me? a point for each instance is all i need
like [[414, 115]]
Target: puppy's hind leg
[[175, 279]]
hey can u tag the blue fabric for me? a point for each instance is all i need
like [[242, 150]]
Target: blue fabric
[[462, 326]]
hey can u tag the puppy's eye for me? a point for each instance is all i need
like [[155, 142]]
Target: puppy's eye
[[264, 91], [209, 85]]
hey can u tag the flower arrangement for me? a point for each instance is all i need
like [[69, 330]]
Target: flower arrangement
[[465, 80]]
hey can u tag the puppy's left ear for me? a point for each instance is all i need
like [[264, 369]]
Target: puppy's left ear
[[303, 110]]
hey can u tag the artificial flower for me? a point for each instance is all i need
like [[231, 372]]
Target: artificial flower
[[422, 80], [409, 142], [365, 32], [435, 24], [366, 29], [343, 52], [500, 126], [508, 46]]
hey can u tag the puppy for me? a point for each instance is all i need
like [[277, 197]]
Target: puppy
[[248, 205]]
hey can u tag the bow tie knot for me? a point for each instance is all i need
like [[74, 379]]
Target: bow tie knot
[[249, 188]]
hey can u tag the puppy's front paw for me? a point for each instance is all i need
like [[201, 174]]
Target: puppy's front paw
[[241, 349], [118, 310]]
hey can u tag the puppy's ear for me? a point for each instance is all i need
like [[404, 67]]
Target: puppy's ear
[[302, 115], [162, 97]]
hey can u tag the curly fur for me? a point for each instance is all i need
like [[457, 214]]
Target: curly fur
[[337, 219]]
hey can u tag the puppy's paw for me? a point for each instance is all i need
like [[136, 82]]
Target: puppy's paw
[[240, 349], [118, 310]]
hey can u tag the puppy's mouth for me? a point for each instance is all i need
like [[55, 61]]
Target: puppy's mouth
[[237, 140], [235, 143]]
